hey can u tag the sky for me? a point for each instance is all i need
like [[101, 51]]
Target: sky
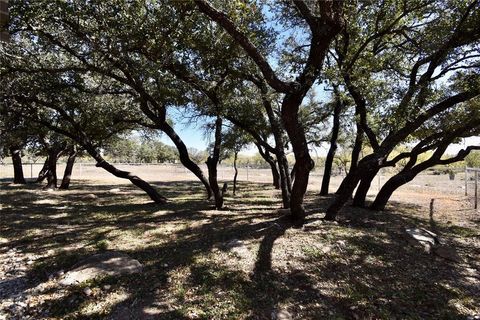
[[454, 148], [193, 136]]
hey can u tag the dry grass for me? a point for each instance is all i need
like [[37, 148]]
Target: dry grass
[[244, 262]]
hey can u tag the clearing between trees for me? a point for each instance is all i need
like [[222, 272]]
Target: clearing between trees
[[243, 262]]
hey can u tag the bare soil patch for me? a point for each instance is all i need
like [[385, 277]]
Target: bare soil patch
[[245, 262]]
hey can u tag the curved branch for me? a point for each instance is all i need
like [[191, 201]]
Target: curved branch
[[223, 20]]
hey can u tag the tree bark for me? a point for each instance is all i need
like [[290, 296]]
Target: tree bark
[[277, 131], [16, 154], [389, 187], [285, 182], [42, 175], [145, 186], [363, 187], [273, 166], [236, 172], [327, 172], [365, 167], [410, 171], [212, 162], [350, 182], [292, 172], [53, 154], [357, 148], [275, 175], [185, 158], [303, 161], [68, 169], [102, 163], [324, 27]]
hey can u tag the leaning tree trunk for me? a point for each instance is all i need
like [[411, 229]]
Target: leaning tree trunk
[[42, 175], [363, 187], [68, 169], [303, 162], [18, 177], [142, 184], [292, 173], [389, 187], [184, 157], [365, 166], [212, 162], [236, 172], [408, 173], [357, 148], [327, 172]]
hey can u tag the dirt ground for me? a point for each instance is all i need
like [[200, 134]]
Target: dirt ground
[[244, 262]]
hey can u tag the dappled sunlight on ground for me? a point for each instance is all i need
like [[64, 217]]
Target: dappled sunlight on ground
[[242, 262]]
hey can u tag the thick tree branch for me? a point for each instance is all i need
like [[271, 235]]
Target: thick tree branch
[[223, 20]]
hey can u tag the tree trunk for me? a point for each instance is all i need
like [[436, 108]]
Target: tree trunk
[[42, 175], [303, 161], [53, 155], [388, 188], [285, 182], [275, 176], [212, 162], [357, 148], [145, 186], [363, 187], [273, 166], [407, 174], [68, 169], [16, 153], [277, 131], [292, 173], [236, 172], [185, 158], [327, 172], [102, 163], [365, 166]]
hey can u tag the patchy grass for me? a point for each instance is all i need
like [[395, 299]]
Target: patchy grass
[[244, 262]]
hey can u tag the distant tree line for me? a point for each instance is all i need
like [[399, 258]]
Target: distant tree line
[[381, 85], [139, 151]]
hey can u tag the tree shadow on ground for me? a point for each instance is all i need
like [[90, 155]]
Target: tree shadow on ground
[[190, 271]]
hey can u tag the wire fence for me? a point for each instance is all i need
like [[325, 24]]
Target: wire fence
[[471, 184], [148, 171], [427, 182]]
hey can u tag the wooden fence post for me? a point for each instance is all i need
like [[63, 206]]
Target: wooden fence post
[[466, 181]]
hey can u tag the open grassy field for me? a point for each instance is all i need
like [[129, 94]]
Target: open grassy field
[[244, 262]]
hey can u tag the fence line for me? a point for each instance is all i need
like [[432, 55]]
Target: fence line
[[475, 175], [86, 169]]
